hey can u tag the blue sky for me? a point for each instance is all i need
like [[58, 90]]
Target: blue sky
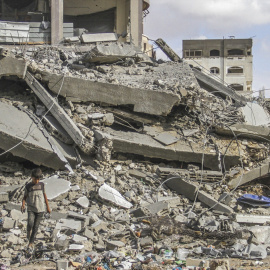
[[175, 20]]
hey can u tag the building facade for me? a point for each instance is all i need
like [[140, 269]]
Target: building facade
[[123, 17], [227, 60]]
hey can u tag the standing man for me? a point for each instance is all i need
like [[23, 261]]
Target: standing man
[[36, 199]]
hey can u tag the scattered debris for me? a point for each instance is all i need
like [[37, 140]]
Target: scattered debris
[[151, 151]]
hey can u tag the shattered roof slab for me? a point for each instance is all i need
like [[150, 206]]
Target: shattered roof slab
[[141, 144], [16, 127], [143, 100]]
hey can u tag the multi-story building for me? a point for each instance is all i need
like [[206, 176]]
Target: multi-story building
[[123, 17], [227, 60]]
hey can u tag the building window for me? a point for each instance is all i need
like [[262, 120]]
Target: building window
[[214, 70], [214, 53], [193, 53], [237, 87], [144, 47], [233, 52], [235, 70]]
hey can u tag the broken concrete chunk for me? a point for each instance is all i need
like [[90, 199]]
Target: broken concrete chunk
[[91, 38], [255, 114], [252, 219], [112, 245], [12, 66], [113, 52], [99, 225], [108, 193], [64, 224], [4, 197], [8, 223], [18, 215], [166, 138], [189, 190], [78, 239], [55, 186], [56, 110], [78, 216], [146, 101], [137, 174], [83, 202], [145, 145], [14, 127]]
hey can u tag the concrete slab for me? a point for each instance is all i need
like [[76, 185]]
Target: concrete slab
[[189, 190], [145, 145], [258, 133], [252, 219], [55, 186], [247, 176], [147, 101], [214, 204], [113, 52], [101, 37], [182, 187], [255, 114], [167, 50], [56, 130], [17, 128], [56, 110], [217, 88]]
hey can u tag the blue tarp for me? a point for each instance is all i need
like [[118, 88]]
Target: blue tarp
[[255, 200]]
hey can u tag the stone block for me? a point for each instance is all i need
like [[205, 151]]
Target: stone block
[[4, 197], [78, 216], [8, 223], [89, 234], [99, 225], [18, 215], [147, 241], [100, 37], [211, 202]]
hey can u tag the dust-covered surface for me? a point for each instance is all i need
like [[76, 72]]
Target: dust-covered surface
[[164, 225]]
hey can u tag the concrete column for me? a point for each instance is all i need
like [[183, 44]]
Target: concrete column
[[121, 18], [136, 15], [57, 12]]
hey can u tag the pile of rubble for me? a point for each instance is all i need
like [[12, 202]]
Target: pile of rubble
[[143, 164]]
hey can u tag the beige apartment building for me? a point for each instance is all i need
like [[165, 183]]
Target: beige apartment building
[[123, 17], [227, 60]]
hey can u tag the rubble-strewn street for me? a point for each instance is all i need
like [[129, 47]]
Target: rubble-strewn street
[[144, 166]]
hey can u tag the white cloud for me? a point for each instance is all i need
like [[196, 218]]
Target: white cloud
[[216, 16]]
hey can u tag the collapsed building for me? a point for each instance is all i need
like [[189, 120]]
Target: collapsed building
[[143, 164]]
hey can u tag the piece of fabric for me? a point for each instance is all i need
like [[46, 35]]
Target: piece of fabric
[[33, 222], [34, 194], [255, 200]]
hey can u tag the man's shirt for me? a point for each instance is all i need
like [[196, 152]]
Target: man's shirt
[[34, 194]]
